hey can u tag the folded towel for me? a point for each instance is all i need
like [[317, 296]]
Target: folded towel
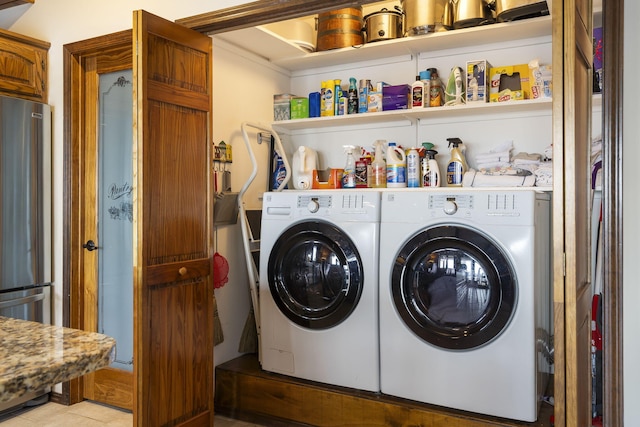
[[503, 156], [492, 165], [544, 174], [472, 178], [524, 158]]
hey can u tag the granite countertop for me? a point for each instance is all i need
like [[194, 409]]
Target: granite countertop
[[34, 355]]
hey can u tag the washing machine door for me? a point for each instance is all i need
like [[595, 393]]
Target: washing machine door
[[315, 274], [454, 287]]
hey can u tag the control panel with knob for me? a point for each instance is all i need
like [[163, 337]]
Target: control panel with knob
[[313, 205], [450, 207]]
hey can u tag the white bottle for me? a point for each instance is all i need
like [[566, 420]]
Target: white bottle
[[430, 169], [417, 93], [413, 168], [425, 76], [396, 167]]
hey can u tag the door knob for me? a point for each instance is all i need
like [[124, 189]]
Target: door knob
[[90, 245]]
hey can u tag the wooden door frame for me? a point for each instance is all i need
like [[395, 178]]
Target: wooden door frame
[[613, 39], [74, 122], [266, 11]]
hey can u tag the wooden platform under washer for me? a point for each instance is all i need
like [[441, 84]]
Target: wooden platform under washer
[[246, 392]]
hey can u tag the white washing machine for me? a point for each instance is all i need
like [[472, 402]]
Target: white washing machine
[[464, 299], [319, 286]]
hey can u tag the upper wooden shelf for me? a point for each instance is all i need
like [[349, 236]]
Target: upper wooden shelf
[[421, 116], [290, 56], [5, 4]]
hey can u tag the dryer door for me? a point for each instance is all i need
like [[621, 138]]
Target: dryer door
[[454, 287], [315, 274]]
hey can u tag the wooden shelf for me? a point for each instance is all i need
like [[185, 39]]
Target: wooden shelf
[[290, 56], [421, 116]]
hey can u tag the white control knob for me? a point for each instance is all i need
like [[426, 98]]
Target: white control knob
[[450, 207], [313, 206]]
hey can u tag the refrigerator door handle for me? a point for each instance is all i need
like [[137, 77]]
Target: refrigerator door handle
[[21, 301]]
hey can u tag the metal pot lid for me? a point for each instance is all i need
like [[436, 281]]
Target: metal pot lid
[[384, 11]]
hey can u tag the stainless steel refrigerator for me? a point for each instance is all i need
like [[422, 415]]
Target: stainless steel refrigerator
[[25, 215]]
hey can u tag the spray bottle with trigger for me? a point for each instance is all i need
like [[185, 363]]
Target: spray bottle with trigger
[[430, 169], [349, 176], [457, 165]]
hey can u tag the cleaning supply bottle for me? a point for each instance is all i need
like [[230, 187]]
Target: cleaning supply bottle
[[430, 169], [457, 165], [349, 175], [329, 99], [323, 97], [425, 77], [379, 166], [352, 97], [396, 167], [436, 94], [337, 94], [413, 168], [417, 93]]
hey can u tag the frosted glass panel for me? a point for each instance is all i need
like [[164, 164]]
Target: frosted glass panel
[[115, 214]]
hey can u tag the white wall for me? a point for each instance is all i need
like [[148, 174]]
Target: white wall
[[631, 225], [243, 88]]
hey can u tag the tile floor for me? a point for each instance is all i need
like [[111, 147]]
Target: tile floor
[[86, 414]]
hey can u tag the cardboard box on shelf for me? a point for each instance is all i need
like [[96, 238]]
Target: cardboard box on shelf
[[374, 97], [299, 107], [374, 103], [282, 106], [511, 82], [541, 86], [478, 81], [395, 97]]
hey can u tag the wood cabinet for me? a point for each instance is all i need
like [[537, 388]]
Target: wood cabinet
[[23, 66]]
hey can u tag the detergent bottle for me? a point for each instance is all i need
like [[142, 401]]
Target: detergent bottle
[[457, 165], [352, 106], [430, 169], [413, 168], [305, 161], [436, 94], [396, 167], [349, 176], [379, 166]]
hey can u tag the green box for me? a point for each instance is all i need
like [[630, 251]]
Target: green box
[[299, 107]]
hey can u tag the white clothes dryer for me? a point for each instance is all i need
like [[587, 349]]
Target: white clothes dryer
[[464, 299], [319, 286]]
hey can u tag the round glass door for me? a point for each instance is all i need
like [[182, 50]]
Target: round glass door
[[315, 274], [453, 287]]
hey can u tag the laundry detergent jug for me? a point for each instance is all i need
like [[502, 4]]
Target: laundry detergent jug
[[396, 166], [305, 161]]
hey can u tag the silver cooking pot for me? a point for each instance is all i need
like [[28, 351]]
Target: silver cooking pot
[[383, 25]]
